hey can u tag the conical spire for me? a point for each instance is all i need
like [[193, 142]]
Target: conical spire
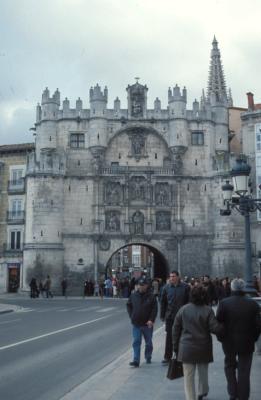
[[216, 83]]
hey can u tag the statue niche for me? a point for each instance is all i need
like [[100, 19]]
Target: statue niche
[[113, 193], [138, 223], [112, 221], [163, 221], [137, 144], [138, 188], [162, 194]]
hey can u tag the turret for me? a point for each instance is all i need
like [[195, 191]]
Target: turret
[[98, 122], [177, 102], [157, 105], [98, 101], [78, 106], [46, 118], [117, 105], [50, 105]]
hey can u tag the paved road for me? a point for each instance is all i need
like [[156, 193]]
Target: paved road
[[52, 345]]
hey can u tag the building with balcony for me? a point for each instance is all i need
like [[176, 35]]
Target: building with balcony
[[13, 159]]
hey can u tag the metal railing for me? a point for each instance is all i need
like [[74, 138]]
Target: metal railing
[[16, 186], [15, 216]]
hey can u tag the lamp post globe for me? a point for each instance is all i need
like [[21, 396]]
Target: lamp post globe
[[240, 173]]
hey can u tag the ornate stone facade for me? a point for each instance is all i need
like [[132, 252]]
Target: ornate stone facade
[[131, 176]]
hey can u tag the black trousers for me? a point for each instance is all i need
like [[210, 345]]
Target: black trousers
[[168, 343], [237, 371]]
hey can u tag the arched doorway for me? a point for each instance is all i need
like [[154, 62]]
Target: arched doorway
[[135, 259]]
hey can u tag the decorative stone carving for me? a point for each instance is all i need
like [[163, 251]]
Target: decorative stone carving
[[112, 221], [113, 193], [137, 144], [138, 188], [177, 153], [137, 99], [163, 221], [98, 157], [104, 244], [138, 222], [162, 194]]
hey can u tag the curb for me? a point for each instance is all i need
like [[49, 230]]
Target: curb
[[6, 311]]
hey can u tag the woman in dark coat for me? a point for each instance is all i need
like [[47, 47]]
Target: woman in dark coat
[[192, 341]]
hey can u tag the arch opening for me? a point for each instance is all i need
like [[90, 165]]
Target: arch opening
[[136, 259]]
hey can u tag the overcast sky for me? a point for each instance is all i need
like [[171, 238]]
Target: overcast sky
[[74, 44]]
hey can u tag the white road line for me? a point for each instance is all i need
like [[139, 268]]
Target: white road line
[[88, 309], [8, 322], [24, 310], [53, 333], [106, 309], [49, 309]]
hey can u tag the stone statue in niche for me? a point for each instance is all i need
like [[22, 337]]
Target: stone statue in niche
[[137, 188], [162, 194], [112, 222], [137, 145], [163, 221], [177, 163], [138, 222], [113, 193]]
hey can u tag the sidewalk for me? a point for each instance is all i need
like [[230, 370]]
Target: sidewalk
[[118, 381]]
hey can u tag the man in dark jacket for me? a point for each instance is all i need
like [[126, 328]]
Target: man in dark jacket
[[142, 309], [175, 294], [241, 318]]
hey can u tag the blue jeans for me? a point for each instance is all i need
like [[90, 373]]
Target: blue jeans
[[137, 333]]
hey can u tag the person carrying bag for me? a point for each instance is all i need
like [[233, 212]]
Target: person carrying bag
[[175, 369], [192, 341]]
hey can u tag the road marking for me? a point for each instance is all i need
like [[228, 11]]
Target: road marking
[[106, 309], [49, 309], [88, 309], [8, 322], [24, 310], [53, 333], [67, 309]]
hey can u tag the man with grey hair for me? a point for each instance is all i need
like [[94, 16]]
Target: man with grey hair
[[241, 318]]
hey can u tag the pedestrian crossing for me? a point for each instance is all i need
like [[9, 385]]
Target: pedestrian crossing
[[86, 309]]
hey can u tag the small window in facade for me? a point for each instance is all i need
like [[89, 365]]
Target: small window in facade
[[77, 140], [197, 138], [15, 243]]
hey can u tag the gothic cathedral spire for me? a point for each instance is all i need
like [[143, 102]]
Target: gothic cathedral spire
[[216, 91]]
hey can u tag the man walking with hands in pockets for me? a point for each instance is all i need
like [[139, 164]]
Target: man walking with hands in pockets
[[142, 309]]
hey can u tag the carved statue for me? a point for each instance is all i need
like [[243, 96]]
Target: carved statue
[[162, 194], [113, 193], [112, 222], [163, 221], [138, 222], [138, 189], [137, 143]]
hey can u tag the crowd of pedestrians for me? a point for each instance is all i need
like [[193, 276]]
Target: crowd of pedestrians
[[187, 312]]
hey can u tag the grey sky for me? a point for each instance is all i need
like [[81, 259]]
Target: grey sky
[[74, 44]]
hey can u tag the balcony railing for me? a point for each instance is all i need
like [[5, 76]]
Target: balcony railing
[[15, 217], [114, 170], [17, 186], [7, 249]]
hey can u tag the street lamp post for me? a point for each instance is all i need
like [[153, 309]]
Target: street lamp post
[[242, 202]]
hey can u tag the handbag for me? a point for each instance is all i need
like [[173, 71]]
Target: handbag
[[175, 369]]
